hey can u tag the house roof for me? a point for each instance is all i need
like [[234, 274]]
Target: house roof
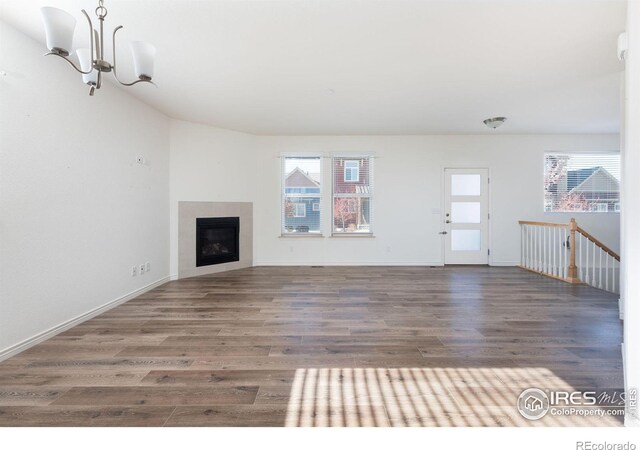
[[579, 180], [577, 177], [300, 179]]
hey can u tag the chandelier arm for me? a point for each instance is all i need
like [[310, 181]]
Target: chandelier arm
[[114, 67], [99, 82], [115, 74], [69, 61], [136, 82], [90, 35]]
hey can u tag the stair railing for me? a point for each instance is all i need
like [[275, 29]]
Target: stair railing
[[569, 253]]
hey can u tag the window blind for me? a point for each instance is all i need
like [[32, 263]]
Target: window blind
[[583, 182], [301, 194], [352, 194]]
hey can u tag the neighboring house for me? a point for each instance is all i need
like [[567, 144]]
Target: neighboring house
[[302, 213], [595, 187]]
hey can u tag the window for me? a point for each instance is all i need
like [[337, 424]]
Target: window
[[352, 171], [300, 210], [352, 194], [301, 192], [583, 182]]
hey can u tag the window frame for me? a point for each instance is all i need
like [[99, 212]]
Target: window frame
[[370, 195], [284, 196], [355, 179], [616, 209]]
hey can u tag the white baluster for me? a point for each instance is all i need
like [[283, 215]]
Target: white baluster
[[544, 249], [586, 262], [593, 275], [606, 272], [530, 244], [553, 240], [564, 253], [535, 247], [538, 231], [549, 269], [600, 269], [522, 245]]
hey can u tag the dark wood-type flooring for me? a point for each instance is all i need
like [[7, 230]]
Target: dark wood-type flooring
[[325, 346]]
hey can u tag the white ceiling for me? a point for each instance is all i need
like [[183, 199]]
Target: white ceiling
[[370, 66]]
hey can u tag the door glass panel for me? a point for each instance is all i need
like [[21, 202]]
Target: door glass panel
[[465, 212], [465, 184], [465, 240]]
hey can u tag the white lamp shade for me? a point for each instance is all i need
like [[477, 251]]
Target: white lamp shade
[[58, 26], [84, 56], [144, 55]]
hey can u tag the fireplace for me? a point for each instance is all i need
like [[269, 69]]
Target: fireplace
[[217, 240]]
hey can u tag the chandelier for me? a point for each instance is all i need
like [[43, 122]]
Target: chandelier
[[59, 27]]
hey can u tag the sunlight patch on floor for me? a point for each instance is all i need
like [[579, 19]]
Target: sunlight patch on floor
[[373, 397]]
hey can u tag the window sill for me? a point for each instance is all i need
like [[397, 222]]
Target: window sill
[[355, 235], [580, 212], [302, 235]]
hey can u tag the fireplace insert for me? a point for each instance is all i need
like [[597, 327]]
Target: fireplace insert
[[217, 240]]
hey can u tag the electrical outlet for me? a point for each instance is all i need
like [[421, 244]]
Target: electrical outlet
[[148, 266], [134, 271], [142, 267]]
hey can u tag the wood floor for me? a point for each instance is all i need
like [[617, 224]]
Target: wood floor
[[334, 346]]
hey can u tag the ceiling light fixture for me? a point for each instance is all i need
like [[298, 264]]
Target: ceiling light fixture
[[494, 122], [59, 26]]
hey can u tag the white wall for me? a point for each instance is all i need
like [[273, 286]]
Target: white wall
[[76, 211], [209, 164], [408, 179]]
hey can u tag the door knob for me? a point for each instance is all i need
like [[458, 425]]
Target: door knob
[[443, 232], [447, 221]]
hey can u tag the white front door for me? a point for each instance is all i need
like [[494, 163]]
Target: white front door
[[466, 216]]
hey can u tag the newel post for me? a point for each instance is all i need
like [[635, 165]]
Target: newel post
[[572, 275]]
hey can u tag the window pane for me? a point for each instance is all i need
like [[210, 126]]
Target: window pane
[[352, 175], [465, 240], [301, 194], [581, 182], [465, 212], [351, 215], [465, 184], [299, 215]]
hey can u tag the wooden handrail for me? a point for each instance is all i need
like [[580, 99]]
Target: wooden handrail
[[544, 224], [540, 253], [598, 243]]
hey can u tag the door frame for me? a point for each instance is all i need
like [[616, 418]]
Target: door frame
[[443, 180]]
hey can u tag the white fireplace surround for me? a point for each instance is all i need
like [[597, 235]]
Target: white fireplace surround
[[188, 212]]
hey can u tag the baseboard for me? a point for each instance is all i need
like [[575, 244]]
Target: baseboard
[[342, 263], [48, 334]]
